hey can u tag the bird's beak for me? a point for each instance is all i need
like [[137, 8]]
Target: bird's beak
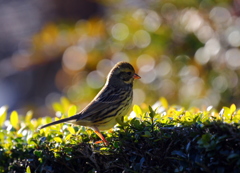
[[135, 76]]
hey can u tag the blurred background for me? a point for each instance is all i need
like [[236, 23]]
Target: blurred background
[[186, 51]]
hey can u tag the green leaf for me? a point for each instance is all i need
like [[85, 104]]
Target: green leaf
[[14, 119], [205, 139], [38, 153], [116, 144], [147, 134], [3, 115], [179, 153], [135, 123], [233, 156], [152, 113], [56, 155]]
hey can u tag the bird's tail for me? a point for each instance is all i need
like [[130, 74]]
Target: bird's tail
[[69, 119]]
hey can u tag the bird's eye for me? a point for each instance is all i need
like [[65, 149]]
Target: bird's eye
[[129, 73]]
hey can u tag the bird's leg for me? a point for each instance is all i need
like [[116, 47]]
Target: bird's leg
[[100, 135]]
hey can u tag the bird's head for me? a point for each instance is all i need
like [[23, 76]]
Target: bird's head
[[121, 74]]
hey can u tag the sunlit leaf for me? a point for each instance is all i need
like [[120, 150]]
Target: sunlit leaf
[[236, 118], [57, 139], [203, 117], [32, 144], [14, 119], [72, 110], [57, 107], [226, 113], [188, 114], [164, 120], [56, 154], [71, 130], [89, 132], [171, 112], [40, 160], [232, 108], [226, 110], [1, 136], [65, 103], [187, 117], [104, 149], [137, 110], [28, 170], [3, 115], [164, 102], [238, 112], [68, 137], [28, 116]]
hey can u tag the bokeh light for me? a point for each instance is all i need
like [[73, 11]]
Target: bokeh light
[[138, 96], [233, 36], [204, 33], [21, 59], [120, 31], [148, 76], [220, 83], [164, 69], [191, 20], [145, 62], [74, 58], [233, 58], [104, 66], [141, 38], [152, 21], [95, 79], [187, 52], [220, 15], [120, 56]]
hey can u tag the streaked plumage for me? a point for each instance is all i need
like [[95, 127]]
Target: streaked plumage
[[110, 104]]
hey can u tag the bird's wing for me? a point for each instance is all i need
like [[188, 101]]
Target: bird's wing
[[99, 104]]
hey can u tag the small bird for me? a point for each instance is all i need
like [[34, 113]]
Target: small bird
[[110, 104]]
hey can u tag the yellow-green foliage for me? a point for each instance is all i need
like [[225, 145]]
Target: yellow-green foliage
[[24, 128], [20, 133]]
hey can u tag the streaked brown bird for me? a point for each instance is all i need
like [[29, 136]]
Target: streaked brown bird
[[110, 104]]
